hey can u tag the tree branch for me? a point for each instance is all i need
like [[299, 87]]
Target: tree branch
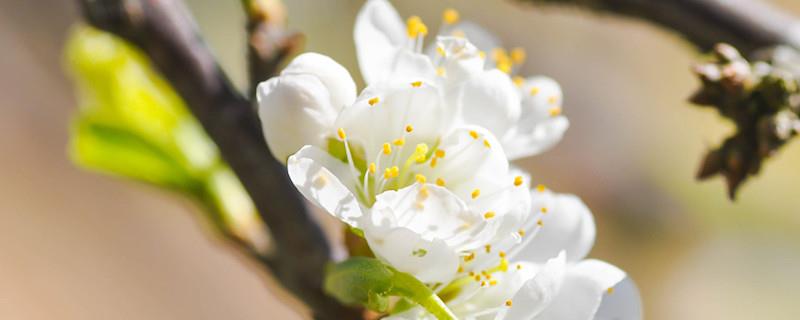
[[166, 32], [748, 25]]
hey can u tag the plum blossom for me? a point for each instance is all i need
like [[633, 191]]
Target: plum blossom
[[524, 113]]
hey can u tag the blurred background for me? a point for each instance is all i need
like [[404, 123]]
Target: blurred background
[[77, 245]]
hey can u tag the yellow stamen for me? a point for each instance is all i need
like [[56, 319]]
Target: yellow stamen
[[504, 66], [469, 257], [373, 101], [610, 290], [473, 134], [439, 153], [518, 55], [482, 54], [415, 27], [439, 182], [450, 16], [433, 162], [441, 51], [554, 111], [552, 100], [423, 193], [521, 232], [543, 209], [540, 223], [483, 283], [502, 254], [488, 216], [540, 188], [399, 142], [392, 172], [476, 193], [421, 153], [341, 134], [519, 266], [486, 143], [416, 84], [518, 181], [488, 248], [509, 303], [420, 178], [493, 282], [518, 81], [535, 91], [409, 128], [372, 168], [440, 71], [387, 149]]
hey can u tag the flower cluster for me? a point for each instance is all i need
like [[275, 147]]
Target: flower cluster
[[418, 164]]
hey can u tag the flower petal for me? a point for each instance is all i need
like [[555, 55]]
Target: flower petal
[[326, 182], [379, 33], [382, 113], [546, 134], [462, 60], [430, 261], [541, 124], [623, 303], [334, 76], [295, 110], [538, 293], [585, 286], [476, 34], [490, 100], [567, 224]]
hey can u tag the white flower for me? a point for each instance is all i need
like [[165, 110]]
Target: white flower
[[552, 280], [524, 113], [425, 190]]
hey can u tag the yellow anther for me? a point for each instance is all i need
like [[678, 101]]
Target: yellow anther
[[518, 55], [504, 66], [483, 283], [372, 168], [540, 223], [552, 99], [392, 172], [439, 182], [476, 193], [509, 303], [540, 188], [420, 178], [441, 51], [471, 273], [610, 290], [518, 81], [518, 181], [554, 111], [519, 267], [433, 162], [387, 174], [416, 84], [469, 257], [440, 71], [423, 193], [320, 182], [460, 269], [486, 143], [341, 134], [521, 232], [421, 153], [488, 248], [399, 142], [482, 54], [535, 91], [473, 134], [439, 153], [543, 209], [499, 54], [409, 128], [450, 16], [387, 149], [419, 206], [415, 27], [493, 282], [489, 215], [373, 101], [501, 254]]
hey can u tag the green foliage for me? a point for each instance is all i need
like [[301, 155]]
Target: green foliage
[[132, 124], [368, 282]]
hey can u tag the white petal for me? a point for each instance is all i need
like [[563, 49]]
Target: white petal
[[400, 104], [430, 261], [326, 182], [540, 138], [541, 124], [334, 76], [567, 225], [295, 110], [624, 303], [378, 34], [585, 285], [477, 35], [410, 66], [538, 293], [490, 100], [462, 60]]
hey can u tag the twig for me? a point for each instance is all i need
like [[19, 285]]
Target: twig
[[167, 33], [748, 25]]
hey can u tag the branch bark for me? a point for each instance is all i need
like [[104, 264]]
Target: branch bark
[[748, 25], [167, 33]]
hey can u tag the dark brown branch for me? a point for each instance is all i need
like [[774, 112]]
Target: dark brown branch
[[268, 41], [748, 25], [167, 33]]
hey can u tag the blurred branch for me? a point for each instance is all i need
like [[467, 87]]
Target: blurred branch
[[761, 98], [167, 33], [268, 41], [748, 25]]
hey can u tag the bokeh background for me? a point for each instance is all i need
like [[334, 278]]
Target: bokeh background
[[76, 245]]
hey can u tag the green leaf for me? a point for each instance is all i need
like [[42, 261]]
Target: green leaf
[[369, 282]]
